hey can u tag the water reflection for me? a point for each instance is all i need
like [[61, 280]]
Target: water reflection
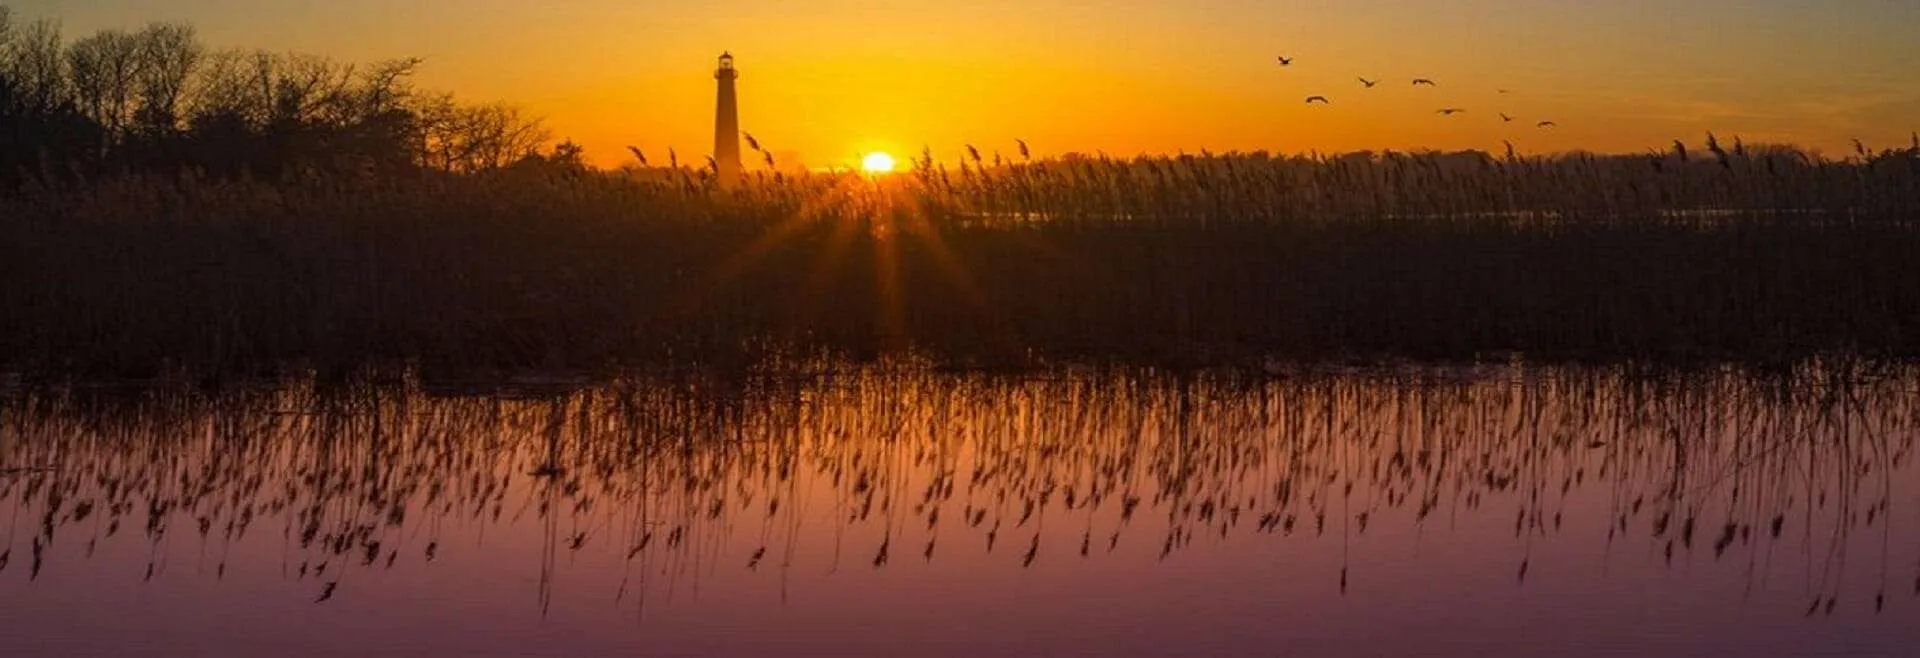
[[651, 496]]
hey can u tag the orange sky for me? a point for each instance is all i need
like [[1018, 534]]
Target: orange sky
[[832, 79]]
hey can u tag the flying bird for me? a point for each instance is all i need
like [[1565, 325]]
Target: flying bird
[[1369, 83], [1317, 99], [1286, 61], [1505, 119], [1546, 124], [1501, 90], [1423, 81], [1449, 111]]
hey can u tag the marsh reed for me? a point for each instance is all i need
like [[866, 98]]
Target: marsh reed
[[1175, 262]]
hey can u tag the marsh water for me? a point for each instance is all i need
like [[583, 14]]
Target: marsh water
[[1490, 511]]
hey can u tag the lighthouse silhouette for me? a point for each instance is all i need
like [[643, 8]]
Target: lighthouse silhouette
[[726, 124]]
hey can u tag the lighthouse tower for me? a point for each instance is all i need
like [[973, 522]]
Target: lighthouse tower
[[726, 124]]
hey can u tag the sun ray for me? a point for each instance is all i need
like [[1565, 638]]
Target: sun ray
[[813, 208], [888, 286], [927, 235]]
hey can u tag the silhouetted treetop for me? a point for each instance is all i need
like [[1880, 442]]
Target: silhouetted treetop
[[158, 100]]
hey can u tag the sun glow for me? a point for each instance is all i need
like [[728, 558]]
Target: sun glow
[[877, 163]]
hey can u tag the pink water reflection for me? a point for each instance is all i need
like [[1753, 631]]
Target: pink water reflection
[[748, 518]]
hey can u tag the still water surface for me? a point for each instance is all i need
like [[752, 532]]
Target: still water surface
[[1463, 512]]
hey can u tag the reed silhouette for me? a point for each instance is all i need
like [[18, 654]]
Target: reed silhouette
[[1747, 254]]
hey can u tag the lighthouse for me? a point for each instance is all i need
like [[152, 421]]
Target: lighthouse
[[726, 123]]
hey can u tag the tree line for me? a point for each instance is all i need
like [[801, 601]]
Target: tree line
[[159, 100]]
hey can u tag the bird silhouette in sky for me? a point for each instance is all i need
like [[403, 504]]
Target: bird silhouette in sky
[[1418, 82], [1286, 61], [1505, 119], [1317, 99], [1369, 83], [1449, 111], [1546, 124]]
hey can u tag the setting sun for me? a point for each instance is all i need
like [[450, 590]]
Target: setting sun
[[877, 163]]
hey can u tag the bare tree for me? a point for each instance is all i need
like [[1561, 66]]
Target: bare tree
[[305, 89], [459, 138], [35, 62], [503, 134], [104, 70], [433, 116], [277, 91], [169, 55], [381, 124], [384, 86], [222, 90]]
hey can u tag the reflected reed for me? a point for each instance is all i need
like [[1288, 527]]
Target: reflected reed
[[666, 480]]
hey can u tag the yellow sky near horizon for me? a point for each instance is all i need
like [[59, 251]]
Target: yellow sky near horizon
[[834, 79]]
